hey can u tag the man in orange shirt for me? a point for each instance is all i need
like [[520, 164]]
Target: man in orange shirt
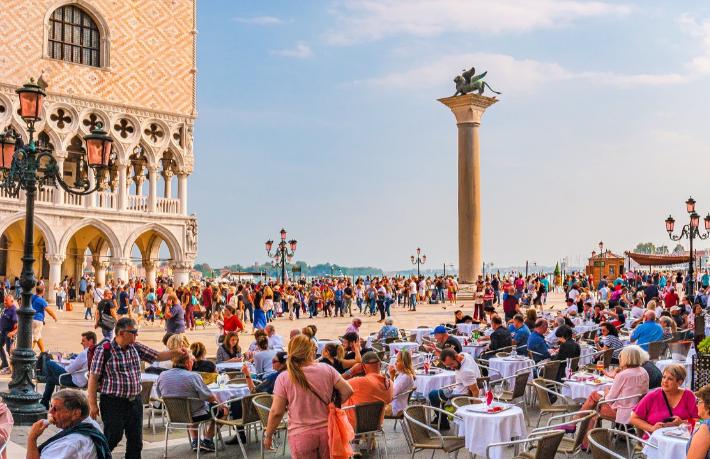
[[372, 387]]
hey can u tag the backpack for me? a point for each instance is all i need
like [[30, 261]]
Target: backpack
[[106, 344]]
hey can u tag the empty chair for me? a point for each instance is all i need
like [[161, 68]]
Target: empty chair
[[424, 437], [656, 350], [544, 388], [579, 421], [262, 403], [368, 422], [516, 396], [541, 446]]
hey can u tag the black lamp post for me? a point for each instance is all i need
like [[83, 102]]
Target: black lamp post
[[418, 260], [689, 231], [282, 252], [30, 167]]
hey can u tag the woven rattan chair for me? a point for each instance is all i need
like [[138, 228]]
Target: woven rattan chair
[[544, 388], [657, 350], [250, 418], [262, 403], [600, 443], [179, 412], [458, 402], [569, 446], [368, 422], [147, 401], [517, 395], [238, 380], [424, 437], [541, 446]]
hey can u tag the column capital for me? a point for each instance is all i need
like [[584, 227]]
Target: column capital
[[54, 258], [181, 266], [149, 264], [120, 263], [152, 169], [468, 108], [122, 163]]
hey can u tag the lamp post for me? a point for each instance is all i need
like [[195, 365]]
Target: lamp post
[[31, 167], [418, 260], [281, 253], [689, 231]]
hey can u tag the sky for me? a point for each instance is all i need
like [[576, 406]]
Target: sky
[[322, 117]]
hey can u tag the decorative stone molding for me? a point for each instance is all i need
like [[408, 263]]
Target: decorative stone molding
[[54, 258], [468, 108]]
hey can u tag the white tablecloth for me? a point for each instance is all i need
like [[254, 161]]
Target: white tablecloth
[[482, 429], [396, 347], [587, 355], [427, 383], [667, 447], [475, 349], [229, 391], [229, 366], [580, 391], [149, 377], [579, 329], [662, 364], [508, 366], [420, 333], [466, 329]]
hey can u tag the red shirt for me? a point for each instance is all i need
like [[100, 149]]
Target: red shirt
[[671, 299], [232, 324]]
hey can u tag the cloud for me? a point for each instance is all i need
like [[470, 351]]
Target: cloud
[[260, 20], [370, 20], [699, 29], [300, 51]]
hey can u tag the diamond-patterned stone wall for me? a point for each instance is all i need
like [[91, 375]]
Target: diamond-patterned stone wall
[[150, 52]]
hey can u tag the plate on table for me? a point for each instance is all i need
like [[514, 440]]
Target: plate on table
[[236, 386], [432, 371], [495, 408], [677, 432]]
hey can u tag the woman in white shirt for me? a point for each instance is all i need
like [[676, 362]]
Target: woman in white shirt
[[403, 374]]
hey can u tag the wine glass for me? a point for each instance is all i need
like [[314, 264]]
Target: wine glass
[[498, 391]]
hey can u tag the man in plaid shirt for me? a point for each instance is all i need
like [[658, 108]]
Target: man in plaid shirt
[[115, 372]]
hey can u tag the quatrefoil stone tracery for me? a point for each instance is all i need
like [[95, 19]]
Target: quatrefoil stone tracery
[[91, 121], [124, 128], [61, 118], [154, 132]]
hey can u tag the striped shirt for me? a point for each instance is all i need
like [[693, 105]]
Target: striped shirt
[[179, 382], [120, 374], [612, 342]]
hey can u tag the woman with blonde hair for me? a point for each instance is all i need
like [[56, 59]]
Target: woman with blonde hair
[[306, 388], [402, 372], [137, 308]]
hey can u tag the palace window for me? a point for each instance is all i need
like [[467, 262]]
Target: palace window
[[74, 36]]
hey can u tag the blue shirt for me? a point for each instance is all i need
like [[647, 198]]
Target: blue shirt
[[537, 344], [8, 319], [82, 285], [647, 332], [39, 305], [520, 335]]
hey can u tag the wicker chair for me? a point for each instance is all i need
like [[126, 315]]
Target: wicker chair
[[605, 356], [368, 422], [400, 417], [543, 391], [657, 350], [262, 403], [570, 446], [517, 395], [179, 411], [250, 418], [458, 402], [147, 401], [633, 399], [423, 437], [600, 443], [542, 446]]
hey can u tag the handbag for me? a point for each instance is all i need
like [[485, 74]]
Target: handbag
[[340, 431], [107, 321]]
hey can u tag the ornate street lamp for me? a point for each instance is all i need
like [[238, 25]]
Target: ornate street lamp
[[30, 168], [689, 231], [418, 260], [282, 253]]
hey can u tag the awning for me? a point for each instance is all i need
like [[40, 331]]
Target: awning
[[646, 259]]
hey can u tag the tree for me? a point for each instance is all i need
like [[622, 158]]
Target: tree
[[679, 249], [645, 247], [662, 250]]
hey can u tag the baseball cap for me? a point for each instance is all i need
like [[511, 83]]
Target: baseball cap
[[370, 357], [440, 329]]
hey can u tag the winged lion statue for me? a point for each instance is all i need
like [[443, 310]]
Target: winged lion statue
[[468, 81]]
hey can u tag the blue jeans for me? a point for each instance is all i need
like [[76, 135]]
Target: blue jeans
[[413, 301], [373, 306], [53, 372], [88, 313], [440, 294], [388, 303], [359, 304], [250, 308]]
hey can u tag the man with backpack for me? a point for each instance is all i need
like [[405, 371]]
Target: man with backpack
[[114, 371]]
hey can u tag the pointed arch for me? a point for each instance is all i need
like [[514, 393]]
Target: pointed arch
[[166, 235], [114, 243], [45, 229]]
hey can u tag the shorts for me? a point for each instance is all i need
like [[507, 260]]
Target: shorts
[[37, 326]]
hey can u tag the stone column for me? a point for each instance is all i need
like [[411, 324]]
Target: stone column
[[99, 270], [150, 269], [167, 179], [90, 200], [468, 110], [55, 276], [181, 273], [182, 191], [152, 187], [59, 191], [120, 266], [122, 186]]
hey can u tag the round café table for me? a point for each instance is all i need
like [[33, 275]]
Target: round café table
[[581, 390], [579, 329], [229, 366], [670, 443], [475, 349], [229, 391], [436, 379], [420, 333], [481, 428], [466, 329], [509, 366]]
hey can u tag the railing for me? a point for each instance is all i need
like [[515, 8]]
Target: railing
[[46, 194], [137, 203], [168, 205], [6, 194], [106, 200], [73, 200]]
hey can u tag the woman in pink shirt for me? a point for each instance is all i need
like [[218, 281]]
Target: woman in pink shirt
[[307, 389], [669, 405], [631, 379]]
